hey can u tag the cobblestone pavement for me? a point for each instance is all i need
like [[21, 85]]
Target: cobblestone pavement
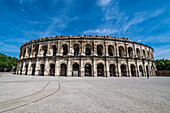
[[19, 93]]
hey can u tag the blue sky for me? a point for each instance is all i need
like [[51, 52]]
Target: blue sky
[[144, 21]]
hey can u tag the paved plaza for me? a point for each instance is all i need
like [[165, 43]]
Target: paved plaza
[[39, 94]]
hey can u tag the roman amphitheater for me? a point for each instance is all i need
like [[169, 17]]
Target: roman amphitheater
[[86, 55]]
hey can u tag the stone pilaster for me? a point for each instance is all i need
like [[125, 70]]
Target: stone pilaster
[[29, 68], [95, 68], [46, 70], [107, 69], [69, 69], [23, 69], [57, 68], [82, 69]]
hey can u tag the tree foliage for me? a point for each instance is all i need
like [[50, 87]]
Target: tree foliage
[[163, 64], [7, 62]]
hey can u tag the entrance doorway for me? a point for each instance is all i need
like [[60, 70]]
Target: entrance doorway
[[133, 70], [123, 70], [52, 70], [42, 69], [75, 72], [88, 70], [63, 70], [33, 69], [112, 70], [100, 70], [140, 71]]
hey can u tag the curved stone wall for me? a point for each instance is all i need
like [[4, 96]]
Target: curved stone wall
[[86, 55]]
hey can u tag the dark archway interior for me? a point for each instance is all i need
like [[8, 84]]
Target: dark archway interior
[[42, 69], [26, 69], [65, 49], [88, 49], [54, 50], [144, 54], [52, 70], [36, 51], [24, 53], [88, 70], [63, 71], [130, 52], [111, 50], [148, 54], [133, 70], [100, 70], [29, 52], [121, 51], [75, 72], [112, 70], [138, 52], [123, 70], [99, 50], [141, 71], [76, 49], [44, 48], [33, 69]]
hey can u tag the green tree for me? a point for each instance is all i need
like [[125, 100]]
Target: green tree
[[7, 62], [163, 64]]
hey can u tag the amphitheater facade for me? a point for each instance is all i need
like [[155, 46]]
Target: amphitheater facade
[[86, 55]]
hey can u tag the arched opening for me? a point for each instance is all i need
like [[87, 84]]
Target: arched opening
[[24, 53], [44, 48], [112, 70], [21, 69], [65, 49], [88, 49], [29, 52], [100, 70], [144, 54], [99, 50], [138, 52], [121, 51], [33, 69], [111, 50], [26, 69], [54, 48], [88, 70], [76, 49], [123, 70], [75, 72], [133, 70], [63, 70], [140, 71], [147, 70], [152, 57], [36, 50], [130, 52], [52, 69], [42, 67], [148, 55]]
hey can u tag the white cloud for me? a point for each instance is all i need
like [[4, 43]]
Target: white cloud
[[120, 21], [139, 17], [103, 2], [162, 52], [101, 31], [8, 47], [25, 1]]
